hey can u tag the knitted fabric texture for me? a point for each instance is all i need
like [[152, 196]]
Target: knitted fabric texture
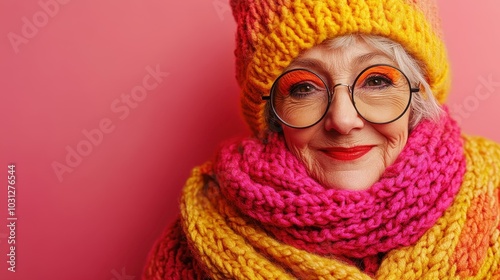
[[271, 33], [254, 213]]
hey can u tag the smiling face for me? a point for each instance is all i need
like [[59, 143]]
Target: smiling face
[[343, 150]]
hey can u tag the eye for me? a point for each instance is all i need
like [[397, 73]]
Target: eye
[[299, 84], [302, 88], [377, 81]]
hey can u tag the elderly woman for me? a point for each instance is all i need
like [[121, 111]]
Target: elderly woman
[[355, 169]]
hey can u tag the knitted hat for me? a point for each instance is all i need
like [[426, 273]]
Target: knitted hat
[[271, 33]]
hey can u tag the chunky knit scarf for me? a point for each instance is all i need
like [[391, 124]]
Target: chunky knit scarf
[[254, 213]]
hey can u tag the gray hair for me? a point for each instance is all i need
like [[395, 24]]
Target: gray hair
[[423, 105]]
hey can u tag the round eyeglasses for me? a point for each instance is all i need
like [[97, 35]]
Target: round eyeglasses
[[380, 94]]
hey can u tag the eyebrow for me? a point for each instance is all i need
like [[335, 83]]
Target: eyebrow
[[370, 56], [307, 63], [318, 64]]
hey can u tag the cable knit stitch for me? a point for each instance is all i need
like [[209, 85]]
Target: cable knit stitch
[[255, 214]]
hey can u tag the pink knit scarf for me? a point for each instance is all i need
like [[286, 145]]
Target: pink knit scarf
[[269, 184]]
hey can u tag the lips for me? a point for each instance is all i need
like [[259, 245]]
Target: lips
[[347, 153]]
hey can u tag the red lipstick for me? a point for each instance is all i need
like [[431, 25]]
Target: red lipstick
[[346, 154]]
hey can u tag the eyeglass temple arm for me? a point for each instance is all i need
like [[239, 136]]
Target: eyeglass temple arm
[[266, 97], [417, 89]]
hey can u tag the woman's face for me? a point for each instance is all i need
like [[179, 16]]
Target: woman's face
[[343, 150]]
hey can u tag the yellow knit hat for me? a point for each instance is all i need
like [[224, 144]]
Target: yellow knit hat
[[271, 33]]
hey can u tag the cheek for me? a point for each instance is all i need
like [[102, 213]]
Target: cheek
[[395, 136], [396, 131], [297, 141], [293, 137]]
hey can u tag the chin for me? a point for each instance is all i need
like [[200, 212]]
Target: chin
[[350, 180], [348, 187]]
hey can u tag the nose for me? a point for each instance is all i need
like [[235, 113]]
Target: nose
[[341, 115]]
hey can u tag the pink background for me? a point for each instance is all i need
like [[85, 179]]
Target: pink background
[[69, 74]]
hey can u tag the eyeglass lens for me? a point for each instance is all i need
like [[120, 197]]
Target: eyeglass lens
[[380, 94]]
